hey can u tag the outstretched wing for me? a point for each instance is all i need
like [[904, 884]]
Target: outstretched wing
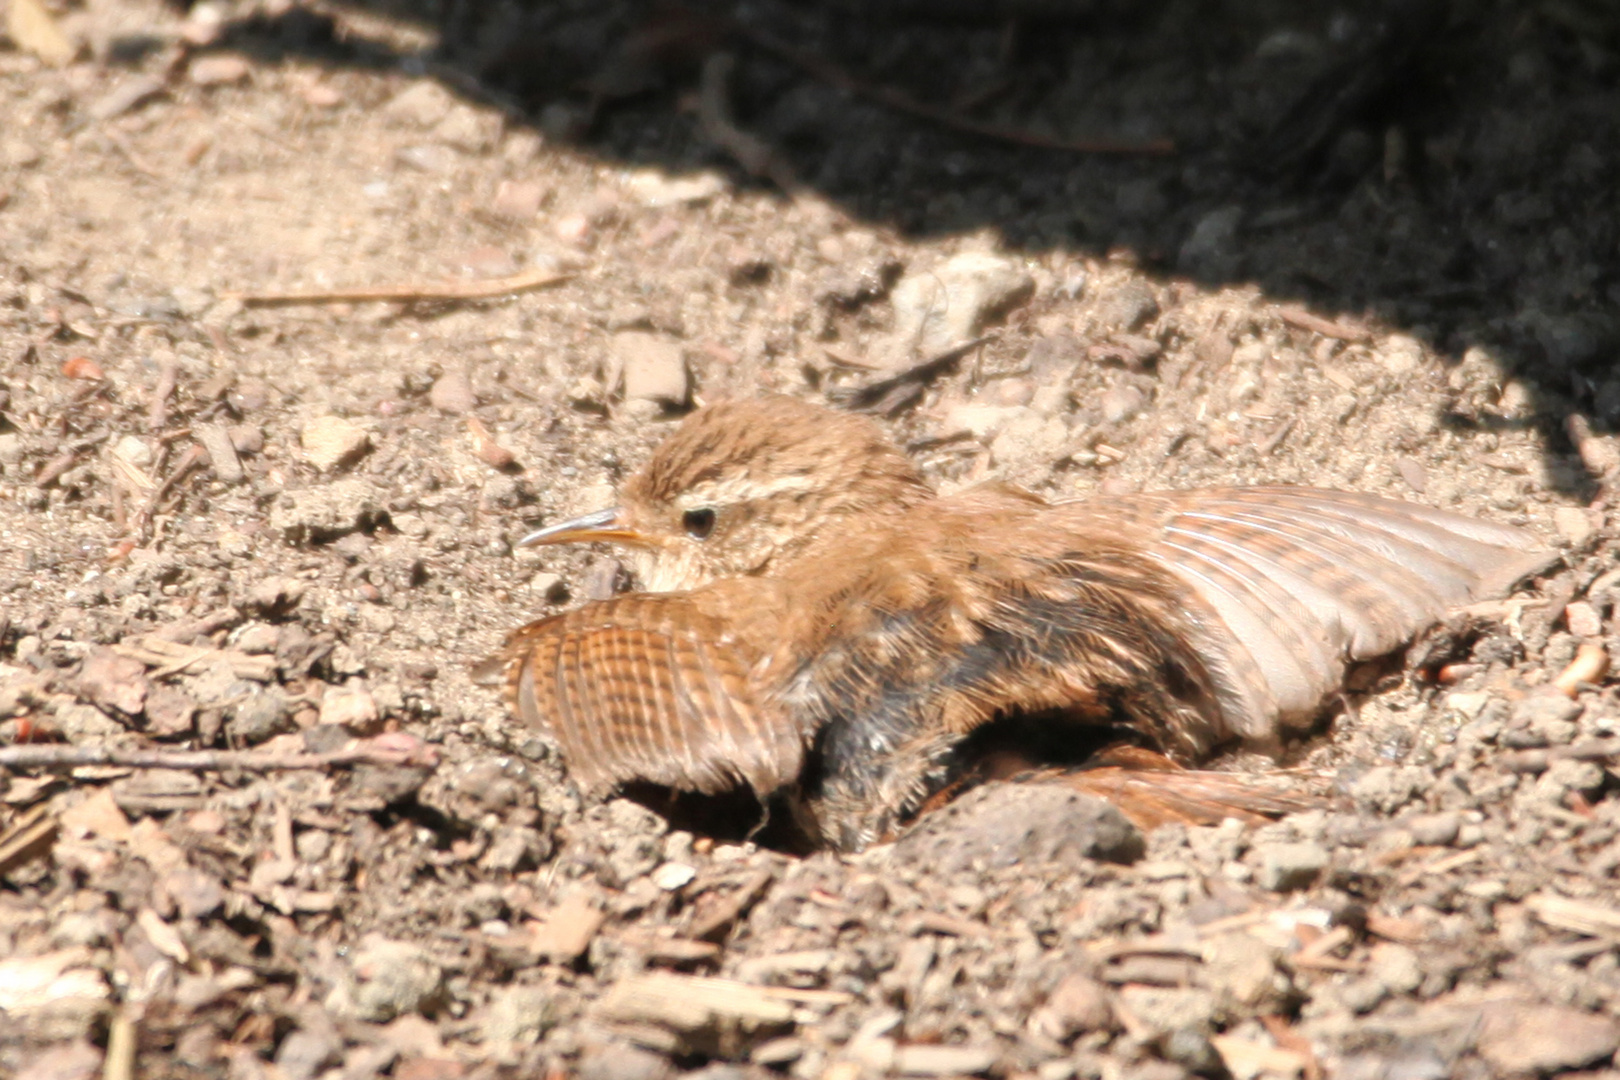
[[656, 688], [1306, 581]]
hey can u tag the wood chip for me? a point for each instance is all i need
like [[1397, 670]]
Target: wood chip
[[221, 452], [28, 839], [567, 930], [1316, 324], [331, 441], [1340, 378], [485, 446], [1590, 665], [678, 951], [922, 1060], [718, 1017], [163, 937], [31, 26], [1577, 916], [1391, 928], [171, 657], [938, 923], [716, 914], [1247, 1058]]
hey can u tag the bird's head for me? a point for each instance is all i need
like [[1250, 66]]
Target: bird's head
[[742, 487]]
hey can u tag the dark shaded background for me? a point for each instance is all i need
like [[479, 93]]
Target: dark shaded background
[[1448, 168]]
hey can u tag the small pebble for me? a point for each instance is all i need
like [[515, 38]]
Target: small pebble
[[1123, 402], [947, 305], [1125, 308], [655, 189], [276, 595], [654, 368], [467, 129], [435, 159], [221, 452], [134, 450], [389, 978], [321, 96], [220, 69], [1519, 1038], [519, 1014], [1583, 619], [331, 441], [1078, 1004], [246, 438], [1401, 354], [260, 714], [1413, 472], [1286, 867], [517, 200], [354, 709], [673, 875], [1397, 967], [422, 104], [452, 393], [1434, 830], [1574, 525], [924, 1060]]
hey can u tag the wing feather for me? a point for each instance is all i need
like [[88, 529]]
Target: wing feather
[[1303, 581], [653, 688]]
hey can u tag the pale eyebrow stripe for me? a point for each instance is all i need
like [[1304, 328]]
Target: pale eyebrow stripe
[[741, 489]]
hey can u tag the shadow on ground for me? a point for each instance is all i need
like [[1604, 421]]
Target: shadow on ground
[[1445, 169]]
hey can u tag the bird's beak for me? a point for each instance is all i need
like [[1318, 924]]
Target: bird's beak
[[609, 524]]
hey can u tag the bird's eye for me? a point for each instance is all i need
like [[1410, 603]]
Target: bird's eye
[[698, 523]]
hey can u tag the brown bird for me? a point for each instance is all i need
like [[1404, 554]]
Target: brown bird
[[820, 626]]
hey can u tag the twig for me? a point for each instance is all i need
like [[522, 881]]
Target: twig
[[718, 920], [190, 459], [900, 101], [135, 160], [157, 413], [874, 394], [1539, 761], [1591, 663], [844, 359], [1320, 949], [754, 154], [1283, 1034], [1304, 320], [1276, 438], [119, 1064], [58, 757], [406, 294], [27, 840], [54, 468]]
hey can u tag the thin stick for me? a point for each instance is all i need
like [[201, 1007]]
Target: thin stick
[[55, 467], [1276, 438], [157, 413], [27, 839], [1316, 324], [900, 101], [754, 154], [119, 1063], [874, 393], [135, 160], [58, 757], [406, 294], [189, 460]]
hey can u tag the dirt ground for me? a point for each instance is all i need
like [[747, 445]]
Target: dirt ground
[[1382, 255]]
